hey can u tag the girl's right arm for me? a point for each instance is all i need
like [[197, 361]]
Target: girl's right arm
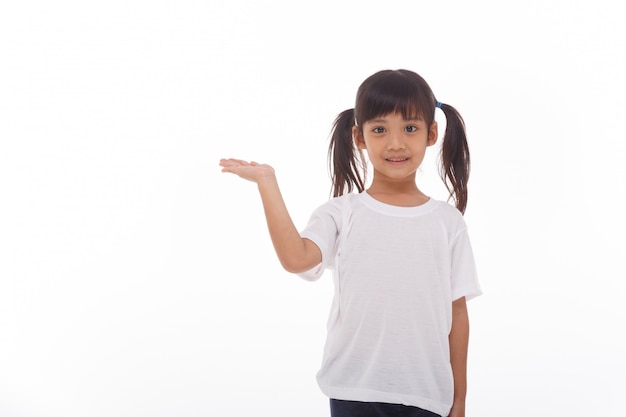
[[296, 254]]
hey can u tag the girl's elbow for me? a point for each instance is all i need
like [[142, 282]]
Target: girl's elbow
[[293, 267], [303, 260], [298, 265]]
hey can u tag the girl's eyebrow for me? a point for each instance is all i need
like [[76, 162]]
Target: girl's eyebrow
[[409, 119]]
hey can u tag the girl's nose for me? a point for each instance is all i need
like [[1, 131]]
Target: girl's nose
[[395, 142]]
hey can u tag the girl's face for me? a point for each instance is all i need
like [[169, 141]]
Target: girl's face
[[395, 146]]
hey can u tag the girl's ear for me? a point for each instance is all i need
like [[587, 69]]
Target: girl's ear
[[433, 134], [357, 137]]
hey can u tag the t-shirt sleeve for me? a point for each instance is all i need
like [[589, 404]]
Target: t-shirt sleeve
[[464, 279], [322, 229]]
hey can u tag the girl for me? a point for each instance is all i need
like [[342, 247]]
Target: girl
[[402, 262]]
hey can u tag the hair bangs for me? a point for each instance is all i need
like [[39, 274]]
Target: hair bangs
[[394, 91]]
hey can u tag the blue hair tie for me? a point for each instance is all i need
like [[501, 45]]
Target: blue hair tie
[[439, 104]]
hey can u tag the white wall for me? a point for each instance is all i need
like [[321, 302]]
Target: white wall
[[137, 280]]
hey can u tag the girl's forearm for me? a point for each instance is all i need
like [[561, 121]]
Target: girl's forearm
[[294, 253], [459, 339]]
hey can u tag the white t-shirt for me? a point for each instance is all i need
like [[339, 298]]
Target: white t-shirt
[[396, 272]]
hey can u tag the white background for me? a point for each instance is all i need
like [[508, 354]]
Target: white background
[[138, 280]]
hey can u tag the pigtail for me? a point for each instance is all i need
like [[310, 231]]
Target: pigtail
[[345, 160], [455, 158]]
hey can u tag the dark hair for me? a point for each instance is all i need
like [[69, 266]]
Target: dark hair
[[402, 91]]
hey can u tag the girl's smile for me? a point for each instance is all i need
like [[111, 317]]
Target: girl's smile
[[397, 159]]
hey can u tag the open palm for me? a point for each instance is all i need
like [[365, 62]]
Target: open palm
[[251, 171]]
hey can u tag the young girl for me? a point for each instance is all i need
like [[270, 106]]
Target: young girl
[[402, 262]]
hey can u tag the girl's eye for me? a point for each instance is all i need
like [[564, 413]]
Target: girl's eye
[[378, 130], [411, 129]]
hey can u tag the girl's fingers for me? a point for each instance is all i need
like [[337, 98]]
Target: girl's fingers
[[232, 162], [250, 171], [234, 166]]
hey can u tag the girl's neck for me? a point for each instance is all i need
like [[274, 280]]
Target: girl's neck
[[398, 195]]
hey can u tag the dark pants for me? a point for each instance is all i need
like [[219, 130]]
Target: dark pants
[[342, 408]]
